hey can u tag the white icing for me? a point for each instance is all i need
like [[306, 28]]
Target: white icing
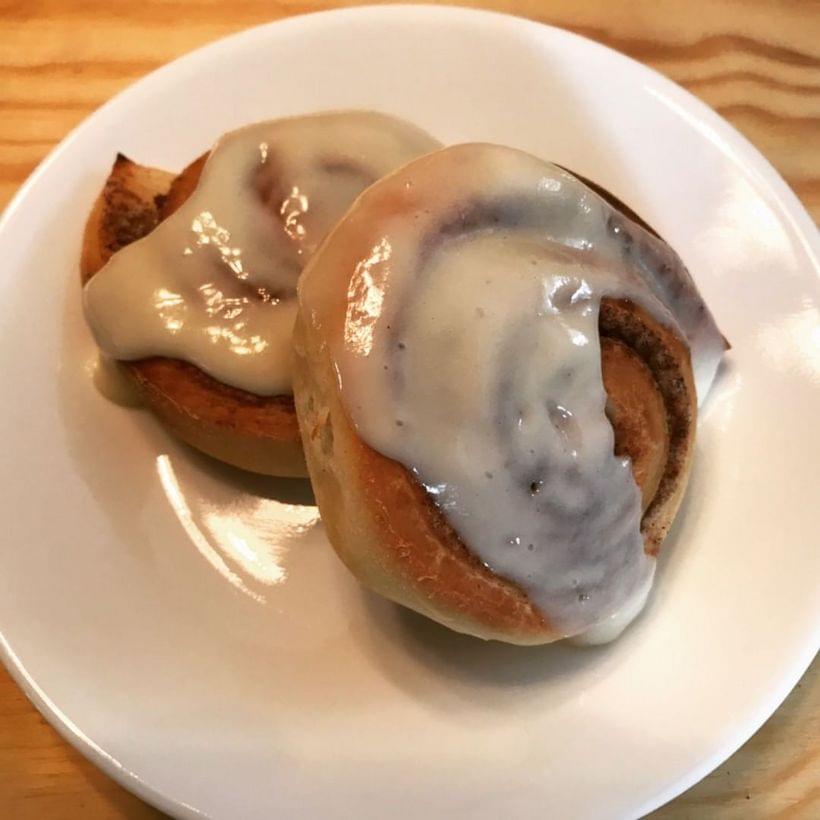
[[214, 283], [470, 354], [111, 382], [612, 627]]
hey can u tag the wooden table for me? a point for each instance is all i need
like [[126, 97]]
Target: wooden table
[[757, 62]]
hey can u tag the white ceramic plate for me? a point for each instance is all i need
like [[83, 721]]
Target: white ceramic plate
[[187, 627]]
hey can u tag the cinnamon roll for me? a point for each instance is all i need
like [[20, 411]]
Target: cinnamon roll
[[190, 282], [496, 376]]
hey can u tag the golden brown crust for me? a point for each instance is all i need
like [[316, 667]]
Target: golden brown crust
[[384, 527], [255, 433], [388, 531], [126, 210], [182, 186]]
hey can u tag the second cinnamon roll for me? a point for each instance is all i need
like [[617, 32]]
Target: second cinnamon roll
[[190, 282]]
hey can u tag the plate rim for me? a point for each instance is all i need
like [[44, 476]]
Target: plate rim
[[712, 125]]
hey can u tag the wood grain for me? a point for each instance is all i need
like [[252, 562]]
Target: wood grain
[[757, 62]]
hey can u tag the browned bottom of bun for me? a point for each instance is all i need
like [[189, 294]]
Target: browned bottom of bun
[[252, 432]]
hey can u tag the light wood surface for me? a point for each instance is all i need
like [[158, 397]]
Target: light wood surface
[[757, 62]]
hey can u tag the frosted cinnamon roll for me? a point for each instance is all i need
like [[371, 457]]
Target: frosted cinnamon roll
[[496, 375], [190, 282]]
